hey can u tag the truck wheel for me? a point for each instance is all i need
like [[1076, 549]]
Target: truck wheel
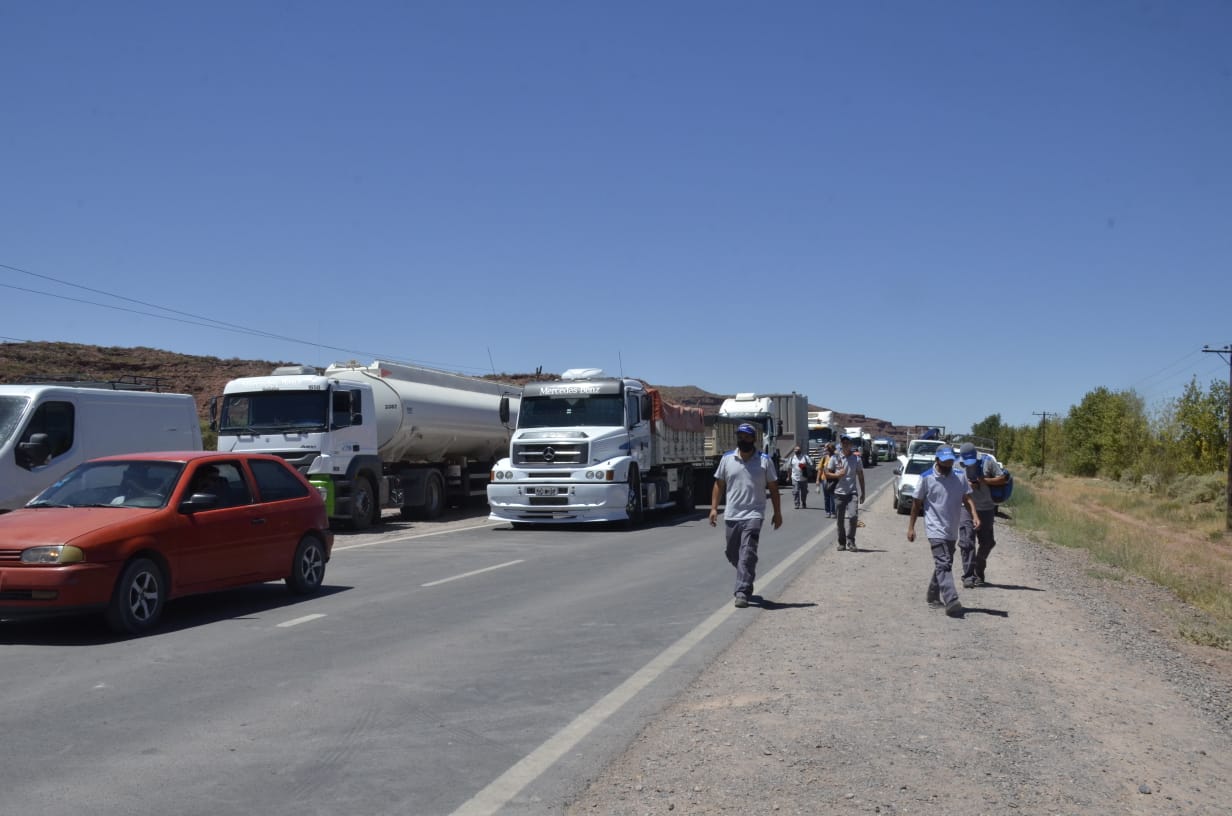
[[138, 599], [633, 504], [363, 504], [434, 496], [686, 501]]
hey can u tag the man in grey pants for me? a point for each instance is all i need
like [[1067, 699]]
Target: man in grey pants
[[745, 475], [846, 472], [941, 496]]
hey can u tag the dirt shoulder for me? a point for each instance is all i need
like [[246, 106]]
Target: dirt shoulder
[[1063, 689]]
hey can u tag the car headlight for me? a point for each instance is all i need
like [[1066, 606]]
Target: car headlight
[[907, 489], [55, 554]]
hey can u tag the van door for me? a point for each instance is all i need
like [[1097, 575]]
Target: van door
[[53, 423]]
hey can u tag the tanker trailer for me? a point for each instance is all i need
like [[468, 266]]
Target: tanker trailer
[[376, 436]]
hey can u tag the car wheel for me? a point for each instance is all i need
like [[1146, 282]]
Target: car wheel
[[363, 504], [138, 599], [307, 567]]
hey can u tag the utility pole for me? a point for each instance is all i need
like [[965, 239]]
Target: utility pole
[[1228, 359], [1043, 415]]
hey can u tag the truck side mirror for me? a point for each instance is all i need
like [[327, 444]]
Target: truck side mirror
[[214, 414], [504, 410]]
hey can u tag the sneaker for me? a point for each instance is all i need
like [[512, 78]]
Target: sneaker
[[935, 603], [954, 609], [841, 548], [741, 600], [852, 548], [978, 582], [969, 582]]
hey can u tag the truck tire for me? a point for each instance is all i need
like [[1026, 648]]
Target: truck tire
[[634, 510], [686, 500], [363, 504], [434, 496]]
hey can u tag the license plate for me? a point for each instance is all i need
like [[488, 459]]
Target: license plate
[[545, 491]]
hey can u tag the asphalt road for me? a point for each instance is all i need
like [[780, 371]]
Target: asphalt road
[[451, 667]]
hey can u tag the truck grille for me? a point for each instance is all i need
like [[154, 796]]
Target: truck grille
[[539, 454]]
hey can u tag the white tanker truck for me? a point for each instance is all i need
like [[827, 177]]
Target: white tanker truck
[[368, 437]]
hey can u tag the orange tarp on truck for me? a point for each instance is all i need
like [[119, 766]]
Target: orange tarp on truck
[[677, 417]]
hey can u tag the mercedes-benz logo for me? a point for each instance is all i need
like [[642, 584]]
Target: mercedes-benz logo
[[549, 454]]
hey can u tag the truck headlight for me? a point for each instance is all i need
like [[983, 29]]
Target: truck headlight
[[54, 554]]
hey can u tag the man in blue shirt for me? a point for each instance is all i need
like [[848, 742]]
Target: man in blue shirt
[[745, 475], [941, 497]]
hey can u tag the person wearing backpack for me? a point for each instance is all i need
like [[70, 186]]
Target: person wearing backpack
[[984, 473]]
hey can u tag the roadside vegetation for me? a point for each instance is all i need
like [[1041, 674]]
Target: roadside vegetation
[[1144, 493]]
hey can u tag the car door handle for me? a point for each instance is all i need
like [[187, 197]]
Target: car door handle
[[257, 521]]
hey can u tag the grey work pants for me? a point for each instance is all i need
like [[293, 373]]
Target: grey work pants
[[941, 584], [847, 510], [975, 545], [743, 536], [799, 492]]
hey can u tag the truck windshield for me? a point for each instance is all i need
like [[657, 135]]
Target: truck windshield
[[274, 411], [822, 435], [11, 409], [565, 412]]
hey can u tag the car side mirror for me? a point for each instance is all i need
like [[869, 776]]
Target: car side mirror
[[199, 501], [36, 451], [898, 471]]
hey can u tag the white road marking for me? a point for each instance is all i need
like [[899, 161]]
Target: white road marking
[[298, 621], [472, 572], [417, 535], [501, 790]]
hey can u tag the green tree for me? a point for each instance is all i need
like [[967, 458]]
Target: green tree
[[989, 427], [1104, 434], [1198, 427]]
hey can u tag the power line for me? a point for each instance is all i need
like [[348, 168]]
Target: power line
[[210, 323]]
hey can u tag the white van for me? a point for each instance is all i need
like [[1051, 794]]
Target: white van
[[46, 430]]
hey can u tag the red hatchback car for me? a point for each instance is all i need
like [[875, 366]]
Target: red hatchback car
[[128, 533]]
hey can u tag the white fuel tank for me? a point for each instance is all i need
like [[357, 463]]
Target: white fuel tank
[[426, 415]]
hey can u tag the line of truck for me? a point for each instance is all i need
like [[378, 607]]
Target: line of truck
[[584, 448]]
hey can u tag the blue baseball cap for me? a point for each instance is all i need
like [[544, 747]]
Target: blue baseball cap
[[745, 427], [945, 454]]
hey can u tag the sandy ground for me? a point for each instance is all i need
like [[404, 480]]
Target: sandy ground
[[1061, 690]]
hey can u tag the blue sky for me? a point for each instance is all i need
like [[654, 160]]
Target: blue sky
[[925, 212]]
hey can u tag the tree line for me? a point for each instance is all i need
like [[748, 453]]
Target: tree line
[[1112, 435]]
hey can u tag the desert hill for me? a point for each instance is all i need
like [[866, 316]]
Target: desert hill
[[204, 377]]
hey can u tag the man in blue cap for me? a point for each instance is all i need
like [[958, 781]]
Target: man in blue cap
[[940, 498], [745, 475], [984, 473]]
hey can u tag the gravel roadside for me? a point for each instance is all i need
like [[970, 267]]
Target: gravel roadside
[[1060, 690]]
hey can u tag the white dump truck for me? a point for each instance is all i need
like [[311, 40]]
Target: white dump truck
[[373, 436], [48, 429], [593, 448]]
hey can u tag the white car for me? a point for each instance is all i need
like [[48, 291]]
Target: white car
[[907, 480]]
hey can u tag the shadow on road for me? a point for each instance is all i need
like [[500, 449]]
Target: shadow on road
[[759, 601]]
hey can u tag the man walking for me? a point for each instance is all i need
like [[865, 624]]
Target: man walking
[[941, 496], [984, 473], [798, 465], [745, 475], [847, 472]]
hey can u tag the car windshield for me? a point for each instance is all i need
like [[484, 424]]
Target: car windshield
[[113, 484], [11, 409], [918, 466]]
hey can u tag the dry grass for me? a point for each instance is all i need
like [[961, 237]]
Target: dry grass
[[1173, 543]]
